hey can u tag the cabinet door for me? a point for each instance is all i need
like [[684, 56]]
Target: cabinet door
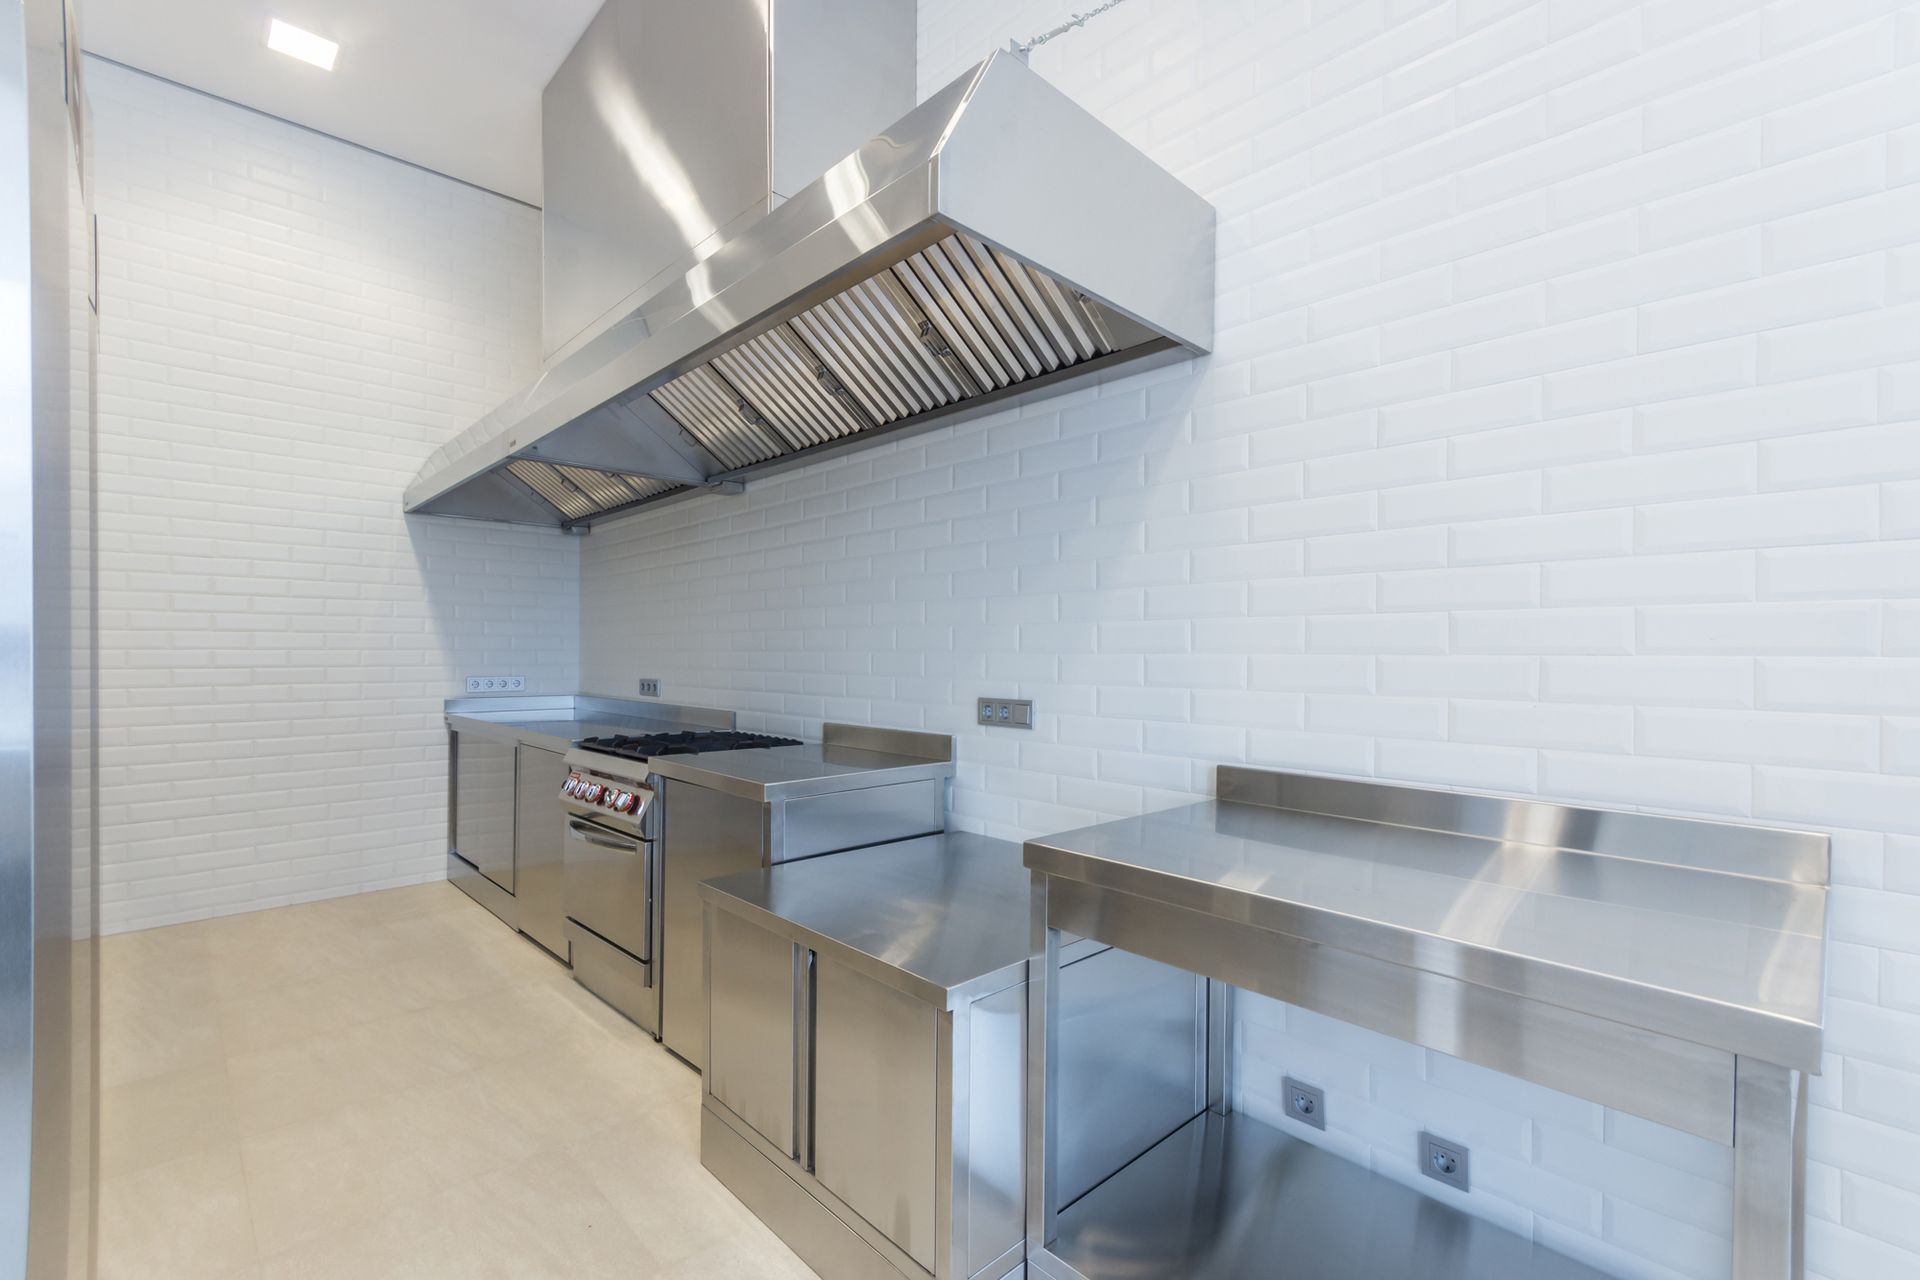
[[539, 839], [751, 983], [483, 806], [874, 1104]]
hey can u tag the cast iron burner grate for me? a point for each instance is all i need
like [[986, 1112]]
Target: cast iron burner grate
[[641, 746]]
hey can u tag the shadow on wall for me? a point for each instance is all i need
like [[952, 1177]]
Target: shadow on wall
[[494, 599]]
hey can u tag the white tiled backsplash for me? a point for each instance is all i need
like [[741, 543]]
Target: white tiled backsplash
[[289, 326], [1562, 436]]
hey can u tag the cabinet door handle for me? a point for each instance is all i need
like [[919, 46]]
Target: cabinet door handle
[[809, 992]]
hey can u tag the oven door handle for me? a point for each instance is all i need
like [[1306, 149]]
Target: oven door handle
[[594, 834]]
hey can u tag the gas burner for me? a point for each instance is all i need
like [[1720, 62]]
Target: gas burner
[[642, 746]]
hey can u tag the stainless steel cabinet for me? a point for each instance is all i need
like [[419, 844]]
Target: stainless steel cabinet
[[539, 838], [876, 1104], [754, 976], [483, 806], [866, 1077], [707, 834]]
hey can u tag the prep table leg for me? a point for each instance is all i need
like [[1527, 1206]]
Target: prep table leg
[[1769, 1171], [1043, 997]]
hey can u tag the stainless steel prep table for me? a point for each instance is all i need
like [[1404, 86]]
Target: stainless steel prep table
[[1666, 967], [865, 1055]]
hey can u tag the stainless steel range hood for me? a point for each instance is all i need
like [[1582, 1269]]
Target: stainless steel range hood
[[995, 242]]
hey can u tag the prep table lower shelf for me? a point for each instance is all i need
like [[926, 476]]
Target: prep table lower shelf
[[1230, 1198]]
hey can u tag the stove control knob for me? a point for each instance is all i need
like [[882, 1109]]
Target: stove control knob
[[593, 791]]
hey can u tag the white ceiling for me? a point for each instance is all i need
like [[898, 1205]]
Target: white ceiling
[[450, 84]]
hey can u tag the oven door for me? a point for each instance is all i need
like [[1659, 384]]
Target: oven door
[[609, 885]]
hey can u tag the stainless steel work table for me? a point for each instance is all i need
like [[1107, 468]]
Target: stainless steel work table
[[1666, 967]]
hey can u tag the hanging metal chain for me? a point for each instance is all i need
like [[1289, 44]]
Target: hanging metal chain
[[1077, 20]]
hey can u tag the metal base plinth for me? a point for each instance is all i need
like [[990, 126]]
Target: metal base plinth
[[1229, 1198], [808, 1227], [467, 878]]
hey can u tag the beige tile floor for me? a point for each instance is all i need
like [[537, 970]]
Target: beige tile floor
[[393, 1085]]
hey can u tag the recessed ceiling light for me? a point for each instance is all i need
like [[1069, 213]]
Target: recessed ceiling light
[[284, 37]]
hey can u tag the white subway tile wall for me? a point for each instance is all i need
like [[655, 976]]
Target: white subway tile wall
[[289, 326], [1561, 436]]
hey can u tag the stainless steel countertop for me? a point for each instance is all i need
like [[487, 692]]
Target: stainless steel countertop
[[789, 773], [557, 721], [942, 918], [1731, 961], [556, 734]]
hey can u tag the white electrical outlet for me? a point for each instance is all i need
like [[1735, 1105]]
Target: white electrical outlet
[[496, 684], [649, 688]]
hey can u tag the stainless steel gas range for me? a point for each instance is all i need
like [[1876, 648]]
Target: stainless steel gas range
[[649, 816]]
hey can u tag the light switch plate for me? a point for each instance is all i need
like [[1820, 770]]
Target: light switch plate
[[649, 688], [496, 684], [1004, 713]]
